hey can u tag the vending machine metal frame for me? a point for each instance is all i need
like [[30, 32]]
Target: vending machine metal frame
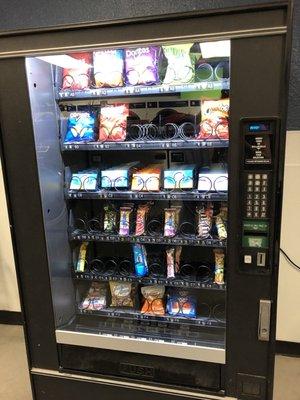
[[261, 38]]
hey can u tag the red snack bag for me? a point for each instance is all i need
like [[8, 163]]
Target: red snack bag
[[113, 123], [78, 78], [214, 119]]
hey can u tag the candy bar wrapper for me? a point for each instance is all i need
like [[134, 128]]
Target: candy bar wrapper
[[221, 228], [96, 297], [170, 227], [204, 220], [80, 127], [108, 67], [178, 251], [124, 228], [181, 303], [110, 219], [180, 68], [80, 267], [78, 77], [141, 216], [113, 123], [121, 294], [141, 65], [219, 266], [153, 300], [170, 263], [140, 259], [214, 119]]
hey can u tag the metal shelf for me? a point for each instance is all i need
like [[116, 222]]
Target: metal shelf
[[193, 195], [128, 91], [176, 240], [148, 280], [144, 145], [138, 316]]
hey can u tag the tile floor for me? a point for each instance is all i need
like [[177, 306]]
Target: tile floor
[[14, 378]]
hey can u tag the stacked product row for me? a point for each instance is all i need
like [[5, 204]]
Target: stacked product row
[[134, 220], [168, 264], [152, 178], [151, 65], [157, 300], [115, 123]]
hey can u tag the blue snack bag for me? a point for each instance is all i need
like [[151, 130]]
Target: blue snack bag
[[80, 127], [140, 260], [181, 304]]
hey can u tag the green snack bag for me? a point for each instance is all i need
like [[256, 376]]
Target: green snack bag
[[180, 67]]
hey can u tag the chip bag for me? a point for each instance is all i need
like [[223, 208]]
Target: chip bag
[[80, 127], [95, 298], [180, 67], [141, 65], [153, 300], [181, 303], [214, 119], [78, 78], [113, 123], [108, 68], [121, 294]]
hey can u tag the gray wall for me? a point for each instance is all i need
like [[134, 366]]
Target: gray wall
[[17, 14]]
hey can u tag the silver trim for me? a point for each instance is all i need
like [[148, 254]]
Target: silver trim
[[143, 346], [276, 30], [129, 385]]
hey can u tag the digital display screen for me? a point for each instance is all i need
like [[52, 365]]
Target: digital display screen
[[259, 127]]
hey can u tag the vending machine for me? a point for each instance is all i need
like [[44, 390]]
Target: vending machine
[[144, 166]]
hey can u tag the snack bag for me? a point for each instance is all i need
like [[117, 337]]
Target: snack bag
[[170, 228], [121, 294], [140, 259], [80, 267], [180, 67], [95, 298], [113, 123], [170, 262], [141, 65], [110, 219], [214, 119], [178, 251], [153, 300], [108, 68], [219, 266], [80, 127], [141, 216], [181, 303], [78, 78], [124, 228], [204, 220]]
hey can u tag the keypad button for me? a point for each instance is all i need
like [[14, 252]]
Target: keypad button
[[263, 208], [257, 183], [249, 196], [256, 202], [264, 196], [249, 214], [250, 176], [249, 189], [263, 203], [249, 208], [264, 189], [257, 176], [256, 189], [264, 176], [263, 215], [249, 203], [264, 183], [256, 215], [250, 183], [256, 208], [256, 196]]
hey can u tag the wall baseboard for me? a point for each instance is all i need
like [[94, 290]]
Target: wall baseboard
[[287, 348], [11, 317]]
